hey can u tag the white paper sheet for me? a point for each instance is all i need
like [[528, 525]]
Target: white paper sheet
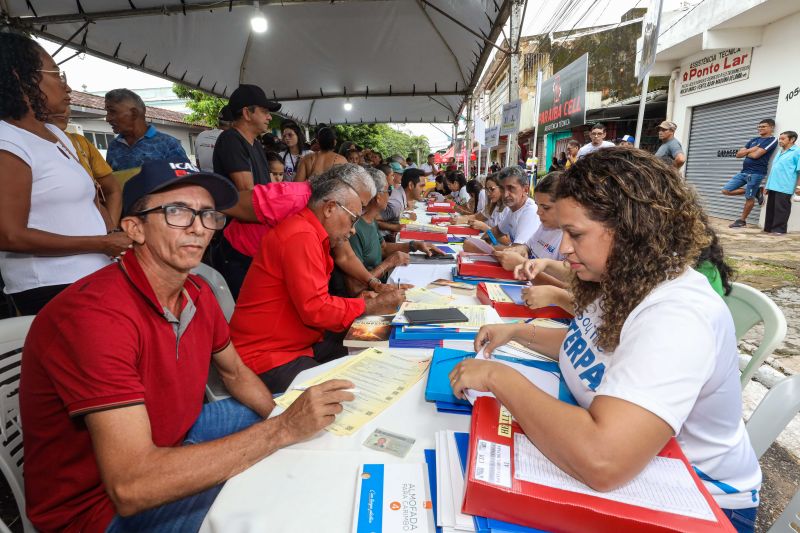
[[664, 484], [547, 381]]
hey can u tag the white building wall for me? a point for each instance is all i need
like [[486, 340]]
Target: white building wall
[[774, 64], [182, 133]]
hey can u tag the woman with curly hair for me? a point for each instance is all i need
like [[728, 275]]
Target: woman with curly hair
[[51, 231], [651, 352]]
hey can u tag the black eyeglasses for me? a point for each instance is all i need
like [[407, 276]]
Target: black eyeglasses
[[180, 216]]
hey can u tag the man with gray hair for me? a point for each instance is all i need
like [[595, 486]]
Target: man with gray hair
[[285, 306], [519, 220], [136, 141]]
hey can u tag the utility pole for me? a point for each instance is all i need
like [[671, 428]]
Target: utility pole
[[468, 138], [512, 148]]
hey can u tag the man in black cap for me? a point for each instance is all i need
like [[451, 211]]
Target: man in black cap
[[114, 370], [239, 156]]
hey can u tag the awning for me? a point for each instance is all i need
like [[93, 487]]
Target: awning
[[393, 60]]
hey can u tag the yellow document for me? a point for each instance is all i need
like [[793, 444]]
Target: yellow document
[[380, 377], [496, 293], [423, 295]]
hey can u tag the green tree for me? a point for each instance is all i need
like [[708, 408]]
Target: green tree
[[205, 107], [383, 138]]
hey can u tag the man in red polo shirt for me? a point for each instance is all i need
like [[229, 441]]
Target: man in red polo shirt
[[284, 308], [113, 373]]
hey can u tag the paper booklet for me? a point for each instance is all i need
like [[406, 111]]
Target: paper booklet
[[368, 331], [477, 315], [480, 244], [392, 498]]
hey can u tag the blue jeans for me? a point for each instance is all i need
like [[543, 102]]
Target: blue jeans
[[744, 520], [216, 420], [747, 181]]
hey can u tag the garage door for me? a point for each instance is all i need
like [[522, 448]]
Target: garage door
[[717, 131]]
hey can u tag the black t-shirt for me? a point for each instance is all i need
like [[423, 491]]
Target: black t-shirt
[[232, 153]]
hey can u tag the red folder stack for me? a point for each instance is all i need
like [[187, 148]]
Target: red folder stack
[[428, 236], [482, 266], [462, 230], [492, 441], [512, 310], [440, 207]]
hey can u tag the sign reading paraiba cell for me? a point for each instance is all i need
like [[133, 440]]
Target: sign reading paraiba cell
[[563, 97], [715, 69]]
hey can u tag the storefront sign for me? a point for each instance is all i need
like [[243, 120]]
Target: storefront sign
[[510, 122], [480, 131], [563, 98], [715, 69], [492, 136]]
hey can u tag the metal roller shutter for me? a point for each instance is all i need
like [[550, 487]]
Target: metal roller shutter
[[717, 131]]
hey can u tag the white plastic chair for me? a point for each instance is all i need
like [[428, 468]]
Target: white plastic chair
[[749, 307], [775, 411], [789, 520], [215, 388], [12, 336]]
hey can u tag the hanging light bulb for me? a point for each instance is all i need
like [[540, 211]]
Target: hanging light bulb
[[259, 22], [348, 106]]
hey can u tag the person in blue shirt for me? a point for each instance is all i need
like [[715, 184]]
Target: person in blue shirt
[[136, 141], [756, 154], [783, 181]]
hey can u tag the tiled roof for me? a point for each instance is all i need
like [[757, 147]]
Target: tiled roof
[[92, 101]]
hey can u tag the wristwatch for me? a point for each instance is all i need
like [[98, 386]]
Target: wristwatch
[[371, 280], [412, 246]]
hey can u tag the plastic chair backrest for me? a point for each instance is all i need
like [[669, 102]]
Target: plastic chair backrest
[[215, 388], [775, 411], [219, 287], [12, 336], [789, 520], [749, 307]]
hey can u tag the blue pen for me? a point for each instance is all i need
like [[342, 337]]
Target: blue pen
[[491, 237]]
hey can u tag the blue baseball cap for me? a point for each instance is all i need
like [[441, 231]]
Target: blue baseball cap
[[158, 175], [396, 167], [628, 139]]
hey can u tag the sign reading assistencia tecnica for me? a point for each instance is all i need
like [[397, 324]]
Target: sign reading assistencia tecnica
[[562, 104]]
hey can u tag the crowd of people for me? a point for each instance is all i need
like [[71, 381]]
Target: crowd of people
[[305, 233]]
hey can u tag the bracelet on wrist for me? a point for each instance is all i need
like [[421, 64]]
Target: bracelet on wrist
[[412, 246], [373, 280]]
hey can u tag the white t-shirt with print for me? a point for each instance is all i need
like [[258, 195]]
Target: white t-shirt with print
[[496, 217], [520, 225], [291, 162], [62, 202], [677, 358], [544, 244], [461, 197]]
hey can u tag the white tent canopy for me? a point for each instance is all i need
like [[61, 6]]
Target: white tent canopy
[[393, 60]]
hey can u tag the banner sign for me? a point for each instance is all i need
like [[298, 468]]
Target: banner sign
[[650, 29], [510, 122], [562, 103], [715, 69], [480, 131], [492, 136]]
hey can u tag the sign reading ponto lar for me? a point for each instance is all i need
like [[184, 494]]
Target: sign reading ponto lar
[[715, 69], [563, 97]]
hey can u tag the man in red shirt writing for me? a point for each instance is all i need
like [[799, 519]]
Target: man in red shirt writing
[[284, 308], [113, 373]]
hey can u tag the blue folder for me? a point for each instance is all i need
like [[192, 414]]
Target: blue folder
[[438, 387], [423, 333]]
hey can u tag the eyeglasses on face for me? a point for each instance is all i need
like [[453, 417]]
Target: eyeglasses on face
[[60, 73], [180, 216], [353, 216]]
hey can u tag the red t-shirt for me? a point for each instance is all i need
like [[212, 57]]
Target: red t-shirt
[[284, 305], [105, 342]]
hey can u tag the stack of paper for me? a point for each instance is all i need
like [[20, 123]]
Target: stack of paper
[[450, 486], [546, 376], [428, 296], [477, 315], [431, 228]]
